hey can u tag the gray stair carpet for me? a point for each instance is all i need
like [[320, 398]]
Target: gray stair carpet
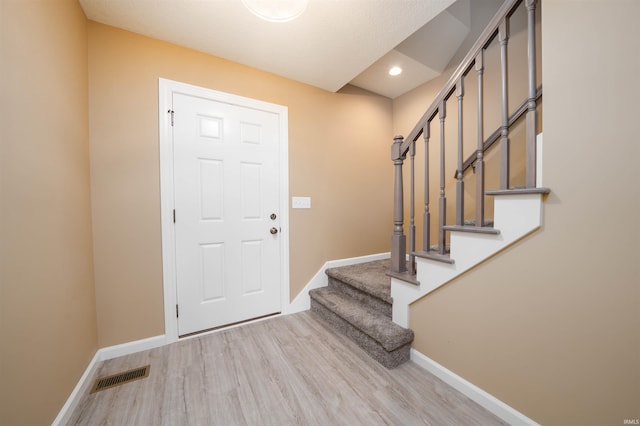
[[357, 303]]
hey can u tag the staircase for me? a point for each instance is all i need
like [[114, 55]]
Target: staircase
[[358, 303], [450, 234], [358, 299]]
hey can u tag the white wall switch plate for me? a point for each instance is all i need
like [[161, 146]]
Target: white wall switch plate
[[300, 202]]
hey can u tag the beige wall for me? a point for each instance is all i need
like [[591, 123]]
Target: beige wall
[[338, 155], [551, 326], [47, 301]]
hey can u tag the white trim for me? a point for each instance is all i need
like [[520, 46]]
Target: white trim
[[128, 348], [165, 102], [471, 391], [302, 302], [81, 388], [166, 89], [103, 354], [539, 160]]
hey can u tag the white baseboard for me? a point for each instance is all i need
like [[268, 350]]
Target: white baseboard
[[302, 301], [471, 391], [81, 388], [103, 354], [132, 347]]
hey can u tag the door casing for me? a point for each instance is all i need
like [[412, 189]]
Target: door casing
[[166, 89]]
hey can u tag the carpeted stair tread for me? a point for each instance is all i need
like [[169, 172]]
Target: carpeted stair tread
[[379, 327], [362, 297], [369, 277], [389, 359]]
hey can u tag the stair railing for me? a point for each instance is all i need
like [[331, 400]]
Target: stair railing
[[473, 61]]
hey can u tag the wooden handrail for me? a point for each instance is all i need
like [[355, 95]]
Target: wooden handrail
[[483, 41], [496, 134]]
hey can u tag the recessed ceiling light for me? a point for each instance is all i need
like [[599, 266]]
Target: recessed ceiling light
[[395, 71], [276, 10]]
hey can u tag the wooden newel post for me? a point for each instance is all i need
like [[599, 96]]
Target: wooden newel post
[[398, 239]]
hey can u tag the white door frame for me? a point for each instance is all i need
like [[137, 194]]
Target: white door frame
[[166, 89]]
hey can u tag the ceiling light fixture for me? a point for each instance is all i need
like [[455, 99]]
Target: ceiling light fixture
[[395, 71], [276, 10]]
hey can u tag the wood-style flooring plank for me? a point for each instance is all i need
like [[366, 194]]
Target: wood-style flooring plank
[[288, 370]]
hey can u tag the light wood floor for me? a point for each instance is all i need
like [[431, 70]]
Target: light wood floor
[[286, 370]]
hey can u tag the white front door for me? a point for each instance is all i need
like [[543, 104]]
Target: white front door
[[227, 212]]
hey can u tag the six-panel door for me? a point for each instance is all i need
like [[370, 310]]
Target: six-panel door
[[226, 184]]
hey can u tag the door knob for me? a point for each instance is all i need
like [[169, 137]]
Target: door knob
[[273, 230]]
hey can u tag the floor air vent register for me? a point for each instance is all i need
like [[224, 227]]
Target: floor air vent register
[[120, 379]]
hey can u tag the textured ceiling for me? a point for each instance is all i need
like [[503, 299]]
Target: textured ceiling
[[423, 56], [328, 46]]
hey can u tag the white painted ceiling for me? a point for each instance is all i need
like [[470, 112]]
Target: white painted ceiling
[[333, 43], [422, 57]]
